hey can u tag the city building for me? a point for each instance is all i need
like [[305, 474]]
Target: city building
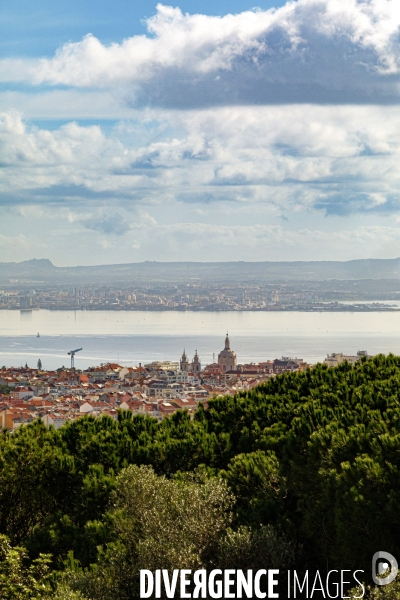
[[165, 365], [157, 389], [335, 359], [186, 366], [184, 363], [227, 357], [195, 367]]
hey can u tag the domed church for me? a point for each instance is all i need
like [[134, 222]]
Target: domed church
[[227, 357]]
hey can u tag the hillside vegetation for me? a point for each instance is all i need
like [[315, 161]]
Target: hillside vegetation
[[302, 472]]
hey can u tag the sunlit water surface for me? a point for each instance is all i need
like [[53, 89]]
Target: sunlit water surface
[[133, 337]]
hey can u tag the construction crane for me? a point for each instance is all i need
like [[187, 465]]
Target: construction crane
[[72, 354]]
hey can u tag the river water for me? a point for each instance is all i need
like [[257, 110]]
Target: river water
[[133, 337]]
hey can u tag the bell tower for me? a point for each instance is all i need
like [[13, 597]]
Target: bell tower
[[196, 364], [184, 362]]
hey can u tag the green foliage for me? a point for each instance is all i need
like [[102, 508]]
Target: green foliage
[[254, 549], [157, 522], [64, 592], [5, 389], [259, 487], [310, 457], [170, 522], [19, 581], [180, 523], [35, 479], [385, 592]]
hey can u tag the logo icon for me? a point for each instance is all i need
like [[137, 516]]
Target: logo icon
[[381, 563]]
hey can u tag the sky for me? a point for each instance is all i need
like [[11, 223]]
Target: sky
[[209, 131]]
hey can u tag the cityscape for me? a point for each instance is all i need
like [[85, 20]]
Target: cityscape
[[156, 389], [204, 297], [199, 299]]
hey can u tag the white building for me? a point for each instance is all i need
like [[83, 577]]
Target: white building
[[164, 365], [335, 359], [56, 421]]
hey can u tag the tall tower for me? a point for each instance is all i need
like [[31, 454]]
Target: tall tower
[[196, 364], [227, 357], [184, 362]]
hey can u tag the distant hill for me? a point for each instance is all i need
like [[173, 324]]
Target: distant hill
[[44, 272]]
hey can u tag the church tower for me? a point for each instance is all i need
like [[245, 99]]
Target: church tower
[[196, 364], [184, 362], [227, 357]]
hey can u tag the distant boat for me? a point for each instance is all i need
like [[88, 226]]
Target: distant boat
[[38, 335]]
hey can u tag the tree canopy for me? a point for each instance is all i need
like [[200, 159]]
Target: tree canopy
[[308, 462]]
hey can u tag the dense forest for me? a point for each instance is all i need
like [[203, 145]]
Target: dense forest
[[301, 472]]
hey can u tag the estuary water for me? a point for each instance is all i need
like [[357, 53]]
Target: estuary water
[[143, 336]]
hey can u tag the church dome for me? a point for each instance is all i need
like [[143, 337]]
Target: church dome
[[227, 357]]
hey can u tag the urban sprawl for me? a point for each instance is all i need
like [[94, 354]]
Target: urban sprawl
[[156, 389], [200, 296]]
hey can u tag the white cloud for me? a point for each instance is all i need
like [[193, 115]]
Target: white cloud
[[251, 235], [290, 158], [14, 244], [208, 241], [85, 233], [309, 50], [287, 115]]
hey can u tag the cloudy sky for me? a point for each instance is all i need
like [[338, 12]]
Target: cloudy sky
[[135, 131]]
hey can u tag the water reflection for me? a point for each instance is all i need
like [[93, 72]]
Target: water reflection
[[25, 315]]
